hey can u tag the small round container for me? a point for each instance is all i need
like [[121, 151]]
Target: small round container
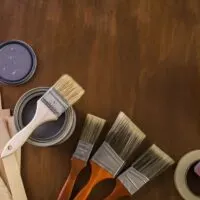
[[49, 133], [17, 62]]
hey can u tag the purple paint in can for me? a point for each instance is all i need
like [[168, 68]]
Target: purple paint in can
[[197, 169]]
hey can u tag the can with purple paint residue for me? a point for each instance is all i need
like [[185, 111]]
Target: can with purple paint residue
[[49, 133], [17, 62]]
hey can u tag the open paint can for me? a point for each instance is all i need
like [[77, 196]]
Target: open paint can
[[17, 62], [49, 133]]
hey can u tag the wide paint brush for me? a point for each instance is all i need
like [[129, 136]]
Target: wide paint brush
[[152, 163], [123, 138], [64, 93], [91, 131]]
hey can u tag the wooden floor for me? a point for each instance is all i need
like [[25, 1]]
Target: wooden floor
[[141, 57]]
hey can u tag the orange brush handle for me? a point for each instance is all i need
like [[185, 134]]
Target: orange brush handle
[[76, 167], [119, 191], [97, 174]]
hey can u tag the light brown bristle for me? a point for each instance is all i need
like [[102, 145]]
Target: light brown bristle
[[69, 89], [153, 162], [124, 136], [92, 129]]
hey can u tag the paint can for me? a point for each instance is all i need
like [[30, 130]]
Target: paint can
[[18, 62], [50, 133], [186, 180]]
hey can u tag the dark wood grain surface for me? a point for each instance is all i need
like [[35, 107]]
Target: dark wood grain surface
[[141, 57]]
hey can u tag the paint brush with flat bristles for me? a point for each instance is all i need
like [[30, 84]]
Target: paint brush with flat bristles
[[152, 163], [91, 131], [123, 138], [64, 93]]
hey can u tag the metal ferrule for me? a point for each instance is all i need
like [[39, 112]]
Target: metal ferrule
[[83, 150], [108, 159], [54, 102], [132, 180]]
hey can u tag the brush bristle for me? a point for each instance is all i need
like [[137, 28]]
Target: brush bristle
[[92, 129], [69, 89], [124, 136], [153, 162]]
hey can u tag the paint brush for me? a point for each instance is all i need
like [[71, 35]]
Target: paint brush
[[152, 163], [123, 138], [64, 93], [91, 131]]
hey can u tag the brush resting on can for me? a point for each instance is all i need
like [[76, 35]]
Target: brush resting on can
[[91, 131], [64, 93]]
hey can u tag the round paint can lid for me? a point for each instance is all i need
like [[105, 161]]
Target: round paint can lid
[[17, 62]]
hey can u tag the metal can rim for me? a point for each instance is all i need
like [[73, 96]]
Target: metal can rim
[[33, 67], [64, 133]]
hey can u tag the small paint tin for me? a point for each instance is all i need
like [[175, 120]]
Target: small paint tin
[[17, 62], [50, 133]]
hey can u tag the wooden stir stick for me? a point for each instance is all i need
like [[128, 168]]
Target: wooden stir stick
[[12, 170], [4, 114], [4, 138], [4, 192]]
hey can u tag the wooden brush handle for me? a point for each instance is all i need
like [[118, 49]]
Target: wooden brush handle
[[14, 178], [119, 191], [76, 167], [97, 174], [42, 115], [12, 132], [4, 192]]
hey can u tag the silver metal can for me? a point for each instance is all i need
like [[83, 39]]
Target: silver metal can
[[49, 133]]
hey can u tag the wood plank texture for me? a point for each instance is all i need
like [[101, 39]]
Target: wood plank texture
[[141, 57]]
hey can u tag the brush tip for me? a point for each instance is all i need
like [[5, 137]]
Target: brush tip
[[69, 89], [124, 136], [153, 162], [159, 152], [92, 128]]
